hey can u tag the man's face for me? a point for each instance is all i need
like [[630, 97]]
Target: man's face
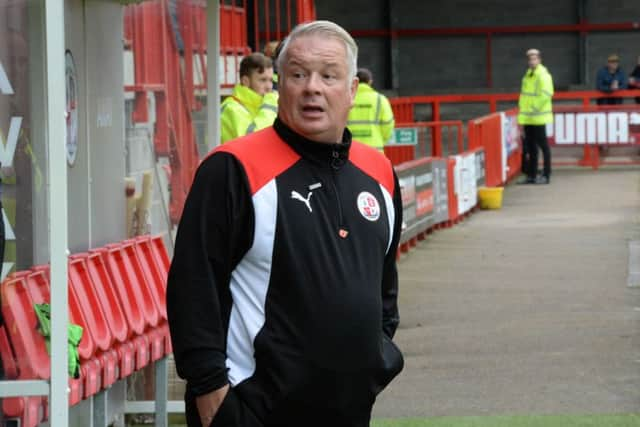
[[316, 91], [533, 61], [260, 83], [613, 66]]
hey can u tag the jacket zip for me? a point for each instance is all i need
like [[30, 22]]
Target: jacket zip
[[336, 164]]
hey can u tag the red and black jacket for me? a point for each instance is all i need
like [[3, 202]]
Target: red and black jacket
[[284, 281]]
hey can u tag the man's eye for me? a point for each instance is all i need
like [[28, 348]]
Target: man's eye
[[298, 75]]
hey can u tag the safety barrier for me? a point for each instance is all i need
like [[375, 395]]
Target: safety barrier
[[117, 295], [439, 179], [596, 128], [499, 135], [415, 140], [438, 192], [404, 108]]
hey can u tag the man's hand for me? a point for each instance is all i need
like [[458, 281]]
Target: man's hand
[[614, 85], [208, 404]]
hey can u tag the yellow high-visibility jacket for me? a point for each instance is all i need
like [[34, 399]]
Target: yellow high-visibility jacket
[[245, 111], [535, 97], [371, 118]]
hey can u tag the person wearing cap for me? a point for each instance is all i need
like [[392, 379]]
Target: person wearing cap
[[611, 78], [371, 117], [535, 112]]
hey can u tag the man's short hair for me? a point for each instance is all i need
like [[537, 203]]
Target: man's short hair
[[326, 29], [613, 58], [364, 75], [535, 52], [254, 62]]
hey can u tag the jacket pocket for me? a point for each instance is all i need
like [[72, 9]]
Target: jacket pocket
[[392, 364]]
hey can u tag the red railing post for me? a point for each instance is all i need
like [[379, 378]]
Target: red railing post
[[256, 24], [436, 133], [278, 34], [488, 62], [493, 104], [267, 24]]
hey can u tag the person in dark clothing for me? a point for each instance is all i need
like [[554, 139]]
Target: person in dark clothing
[[282, 293], [611, 78], [634, 79]]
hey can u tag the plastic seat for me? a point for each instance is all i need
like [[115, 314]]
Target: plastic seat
[[143, 356], [14, 407], [156, 281], [107, 296], [38, 285], [123, 352], [160, 254], [137, 279], [125, 280], [162, 261], [6, 354], [21, 324], [110, 373], [32, 359], [90, 375], [128, 295], [89, 302], [153, 274]]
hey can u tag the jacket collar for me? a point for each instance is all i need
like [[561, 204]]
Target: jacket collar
[[364, 87], [332, 155], [247, 97], [536, 71]]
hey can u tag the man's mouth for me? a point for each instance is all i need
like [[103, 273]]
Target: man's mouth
[[312, 109]]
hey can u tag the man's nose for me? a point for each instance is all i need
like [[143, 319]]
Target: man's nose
[[313, 83]]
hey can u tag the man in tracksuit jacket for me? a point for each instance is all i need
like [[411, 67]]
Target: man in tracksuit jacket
[[282, 293]]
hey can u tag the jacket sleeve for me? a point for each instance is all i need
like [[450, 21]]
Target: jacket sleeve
[[215, 231], [266, 114], [601, 83], [623, 82], [235, 120], [390, 315], [386, 119], [545, 91]]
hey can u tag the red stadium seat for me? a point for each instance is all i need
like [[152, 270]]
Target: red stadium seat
[[152, 272], [128, 295], [87, 297], [138, 280]]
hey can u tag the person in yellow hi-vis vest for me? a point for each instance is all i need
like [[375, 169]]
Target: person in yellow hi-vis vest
[[253, 104], [371, 118], [535, 112]]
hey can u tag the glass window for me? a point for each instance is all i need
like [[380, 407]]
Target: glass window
[[23, 152]]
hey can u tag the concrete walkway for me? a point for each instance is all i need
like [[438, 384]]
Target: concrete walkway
[[525, 310]]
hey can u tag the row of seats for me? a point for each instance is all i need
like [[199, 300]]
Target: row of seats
[[116, 293]]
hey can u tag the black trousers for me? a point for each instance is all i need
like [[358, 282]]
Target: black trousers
[[235, 413], [535, 136], [232, 413]]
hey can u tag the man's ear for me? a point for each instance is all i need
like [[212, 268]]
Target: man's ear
[[353, 89], [245, 81]]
